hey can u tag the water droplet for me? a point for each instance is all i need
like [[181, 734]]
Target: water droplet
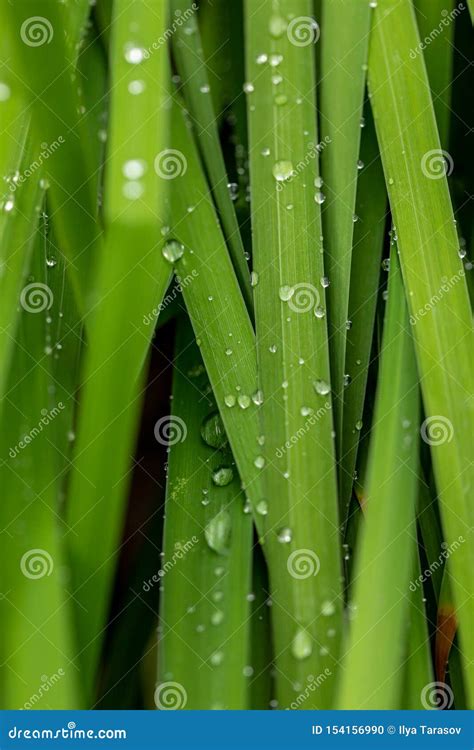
[[259, 462], [305, 411], [321, 387], [134, 54], [325, 282], [229, 400], [318, 182], [257, 398], [261, 59], [360, 164], [223, 476], [218, 532], [205, 88], [217, 658], [173, 251], [347, 380], [133, 169], [8, 205], [320, 198], [280, 100], [373, 4], [302, 645], [277, 26], [262, 507], [277, 79], [253, 278], [248, 87], [286, 293], [319, 312], [5, 92], [244, 401], [386, 264], [44, 183], [328, 608], [217, 617], [247, 671], [282, 170], [213, 432], [136, 87], [285, 535], [275, 60], [51, 262], [233, 189], [272, 349]]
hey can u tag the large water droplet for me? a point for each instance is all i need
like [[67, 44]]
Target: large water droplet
[[322, 387], [223, 476], [218, 532], [302, 645], [282, 170], [213, 432], [173, 251]]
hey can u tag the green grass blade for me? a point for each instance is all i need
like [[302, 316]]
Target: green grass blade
[[386, 550], [57, 117], [292, 343], [418, 666], [195, 81], [205, 618], [39, 668], [344, 49], [369, 234], [217, 309], [433, 274], [436, 22], [20, 206], [131, 281]]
